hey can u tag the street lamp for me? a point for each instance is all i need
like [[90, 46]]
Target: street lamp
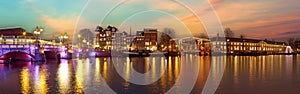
[[63, 38], [37, 33]]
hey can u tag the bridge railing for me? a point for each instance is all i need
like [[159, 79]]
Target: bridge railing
[[16, 46]]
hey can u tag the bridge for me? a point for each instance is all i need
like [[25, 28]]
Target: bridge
[[193, 45], [36, 52]]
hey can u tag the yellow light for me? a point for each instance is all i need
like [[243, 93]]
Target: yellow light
[[41, 30], [24, 79], [24, 33]]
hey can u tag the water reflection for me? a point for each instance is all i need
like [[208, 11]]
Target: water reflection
[[24, 79], [79, 77], [243, 74], [252, 74], [63, 77], [40, 77]]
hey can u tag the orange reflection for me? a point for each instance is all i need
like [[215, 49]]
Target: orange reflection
[[105, 69], [25, 86], [97, 70], [176, 67]]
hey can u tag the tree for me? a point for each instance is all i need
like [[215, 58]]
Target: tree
[[228, 33], [85, 35], [292, 42], [242, 36], [202, 35], [165, 37]]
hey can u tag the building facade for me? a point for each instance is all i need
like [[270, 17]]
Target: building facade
[[104, 38], [150, 36], [247, 46], [297, 44], [15, 35], [144, 40]]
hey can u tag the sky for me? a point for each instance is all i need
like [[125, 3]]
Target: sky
[[271, 19]]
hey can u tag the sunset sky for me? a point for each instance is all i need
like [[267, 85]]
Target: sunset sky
[[273, 19]]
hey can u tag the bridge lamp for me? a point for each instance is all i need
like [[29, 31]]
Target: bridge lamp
[[41, 29]]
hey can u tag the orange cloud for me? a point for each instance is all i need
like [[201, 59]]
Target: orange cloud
[[61, 25]]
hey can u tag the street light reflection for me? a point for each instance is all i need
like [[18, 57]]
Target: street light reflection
[[25, 86], [63, 77]]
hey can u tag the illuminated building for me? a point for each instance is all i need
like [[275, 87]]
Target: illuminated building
[[104, 38], [145, 40], [15, 35], [138, 43], [247, 46], [297, 44], [119, 41], [150, 36]]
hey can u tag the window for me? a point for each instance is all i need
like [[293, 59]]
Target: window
[[146, 43]]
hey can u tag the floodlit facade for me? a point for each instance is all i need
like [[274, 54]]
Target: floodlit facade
[[248, 46]]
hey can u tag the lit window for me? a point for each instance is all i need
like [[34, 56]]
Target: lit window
[[146, 43]]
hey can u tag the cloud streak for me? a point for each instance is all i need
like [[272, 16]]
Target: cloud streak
[[257, 19]]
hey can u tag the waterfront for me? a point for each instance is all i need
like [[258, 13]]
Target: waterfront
[[242, 74]]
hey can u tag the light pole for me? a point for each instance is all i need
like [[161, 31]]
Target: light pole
[[37, 33], [39, 52], [63, 38]]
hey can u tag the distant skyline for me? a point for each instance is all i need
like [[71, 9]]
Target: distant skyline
[[272, 19]]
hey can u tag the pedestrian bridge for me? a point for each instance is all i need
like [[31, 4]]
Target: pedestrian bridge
[[193, 44]]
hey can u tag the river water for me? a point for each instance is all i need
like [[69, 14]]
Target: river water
[[189, 73]]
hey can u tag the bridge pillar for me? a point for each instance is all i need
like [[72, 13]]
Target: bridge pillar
[[39, 57]]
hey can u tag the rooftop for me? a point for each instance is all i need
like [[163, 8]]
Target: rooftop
[[13, 31]]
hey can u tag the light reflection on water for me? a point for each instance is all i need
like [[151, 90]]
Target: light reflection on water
[[243, 74]]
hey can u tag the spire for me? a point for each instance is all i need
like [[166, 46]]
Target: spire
[[130, 32]]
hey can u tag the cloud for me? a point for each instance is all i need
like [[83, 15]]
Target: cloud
[[60, 25], [259, 19]]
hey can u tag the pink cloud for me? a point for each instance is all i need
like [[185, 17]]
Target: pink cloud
[[255, 19]]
